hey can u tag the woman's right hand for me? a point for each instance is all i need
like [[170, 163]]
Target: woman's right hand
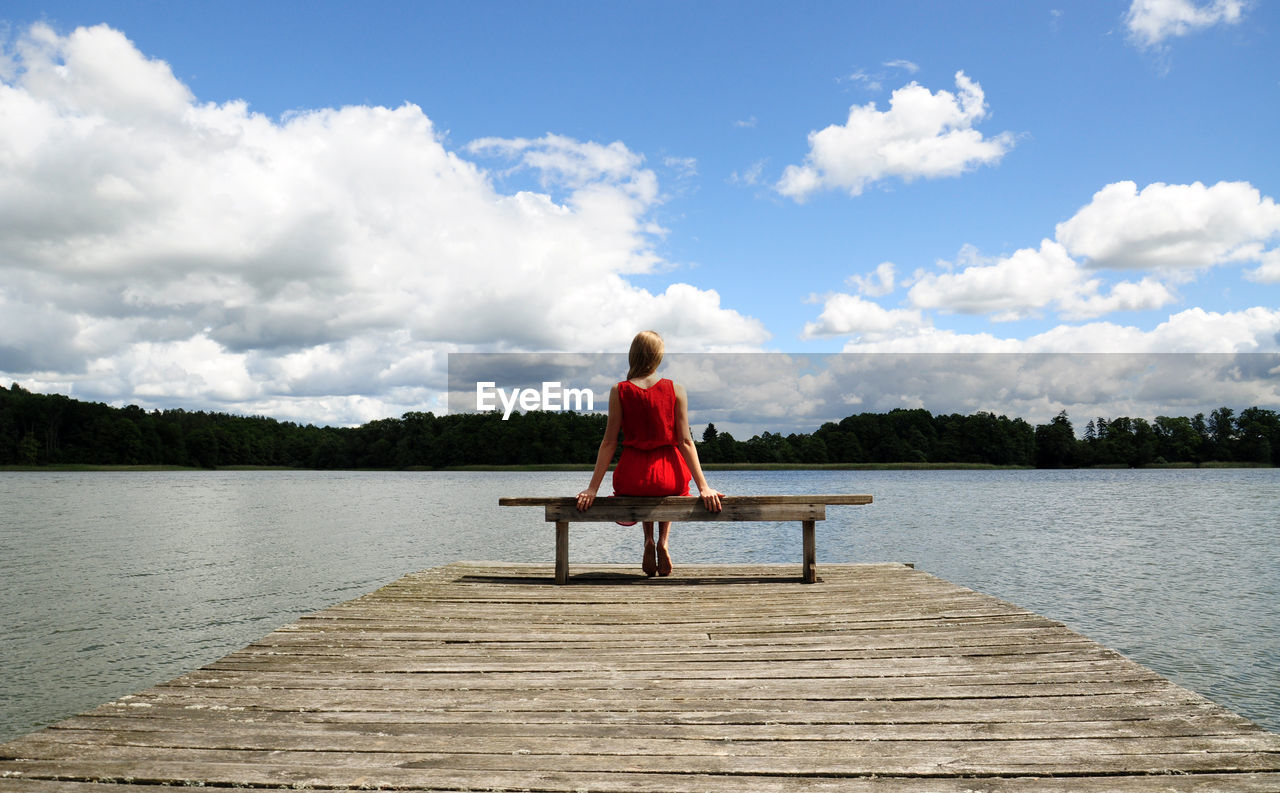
[[710, 498], [586, 498]]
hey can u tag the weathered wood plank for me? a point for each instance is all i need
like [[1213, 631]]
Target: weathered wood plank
[[695, 512], [809, 552], [746, 669], [835, 683], [920, 707], [241, 726], [1116, 707], [863, 758], [814, 746], [626, 782], [562, 552]]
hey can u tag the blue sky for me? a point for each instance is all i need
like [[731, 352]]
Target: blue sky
[[300, 209]]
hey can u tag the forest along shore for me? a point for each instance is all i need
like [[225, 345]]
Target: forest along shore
[[536, 467], [53, 429]]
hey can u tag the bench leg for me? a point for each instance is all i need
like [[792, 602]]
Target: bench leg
[[562, 552], [810, 563]]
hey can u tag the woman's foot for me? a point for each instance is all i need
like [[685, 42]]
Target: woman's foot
[[650, 562], [664, 561]]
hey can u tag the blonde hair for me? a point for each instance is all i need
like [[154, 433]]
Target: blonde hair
[[645, 354]]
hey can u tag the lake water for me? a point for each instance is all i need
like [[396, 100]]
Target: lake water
[[113, 582]]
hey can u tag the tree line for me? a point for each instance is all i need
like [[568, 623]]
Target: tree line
[[918, 436], [43, 429]]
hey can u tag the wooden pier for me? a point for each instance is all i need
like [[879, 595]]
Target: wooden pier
[[480, 676]]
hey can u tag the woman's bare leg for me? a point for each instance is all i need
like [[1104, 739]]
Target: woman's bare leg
[[664, 557], [650, 562]]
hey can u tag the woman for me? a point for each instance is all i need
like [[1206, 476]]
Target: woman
[[658, 452]]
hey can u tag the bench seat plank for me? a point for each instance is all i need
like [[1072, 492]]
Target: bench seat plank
[[604, 513]]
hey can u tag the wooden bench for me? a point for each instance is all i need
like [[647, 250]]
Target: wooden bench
[[562, 510]]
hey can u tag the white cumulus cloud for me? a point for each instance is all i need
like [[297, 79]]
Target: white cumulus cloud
[[849, 314], [1029, 282], [1269, 267], [1010, 288], [1194, 330], [319, 266], [1145, 295], [877, 283], [1165, 233], [1171, 226], [1151, 22], [922, 135]]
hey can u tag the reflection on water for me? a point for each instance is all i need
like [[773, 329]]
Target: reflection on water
[[112, 582]]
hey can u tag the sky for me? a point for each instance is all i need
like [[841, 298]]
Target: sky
[[301, 209]]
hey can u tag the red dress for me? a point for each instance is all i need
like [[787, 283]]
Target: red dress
[[650, 464]]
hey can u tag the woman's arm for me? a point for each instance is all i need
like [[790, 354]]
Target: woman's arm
[[608, 445], [684, 442]]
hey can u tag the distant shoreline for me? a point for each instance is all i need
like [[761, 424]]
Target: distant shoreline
[[78, 467]]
